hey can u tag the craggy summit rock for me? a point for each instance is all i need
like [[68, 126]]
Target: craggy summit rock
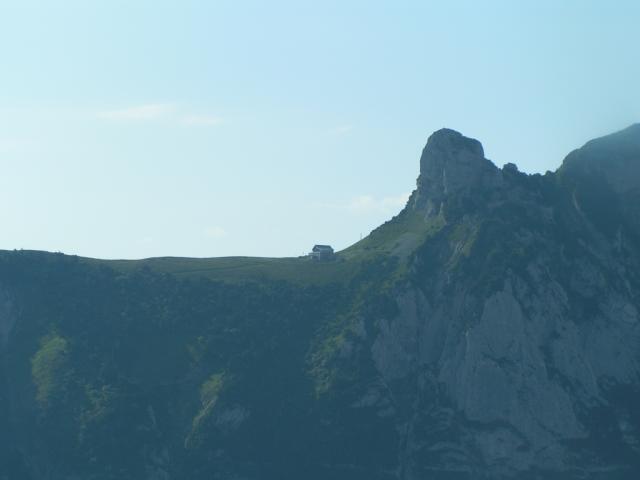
[[452, 164]]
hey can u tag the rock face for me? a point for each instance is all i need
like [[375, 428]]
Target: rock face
[[489, 331], [606, 174], [452, 165], [533, 332]]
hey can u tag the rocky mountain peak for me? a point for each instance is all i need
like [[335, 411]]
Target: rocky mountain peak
[[452, 164], [449, 142], [614, 158]]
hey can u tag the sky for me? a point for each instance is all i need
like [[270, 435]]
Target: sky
[[133, 129]]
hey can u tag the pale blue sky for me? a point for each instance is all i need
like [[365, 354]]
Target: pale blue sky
[[132, 129]]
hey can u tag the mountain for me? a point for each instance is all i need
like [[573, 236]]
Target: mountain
[[491, 330]]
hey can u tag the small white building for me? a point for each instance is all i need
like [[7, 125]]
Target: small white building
[[322, 253]]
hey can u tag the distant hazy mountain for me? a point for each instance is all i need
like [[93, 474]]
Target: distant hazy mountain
[[490, 330]]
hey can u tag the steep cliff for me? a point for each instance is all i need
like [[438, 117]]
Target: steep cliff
[[519, 323], [490, 330]]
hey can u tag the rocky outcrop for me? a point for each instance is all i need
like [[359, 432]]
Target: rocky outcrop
[[452, 165]]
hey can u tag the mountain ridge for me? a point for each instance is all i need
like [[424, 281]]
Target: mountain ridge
[[490, 330]]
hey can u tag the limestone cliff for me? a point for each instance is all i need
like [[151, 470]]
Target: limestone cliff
[[518, 330]]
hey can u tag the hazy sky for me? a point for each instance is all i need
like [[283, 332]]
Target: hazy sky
[[146, 128]]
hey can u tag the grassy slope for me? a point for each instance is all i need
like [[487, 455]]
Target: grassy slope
[[397, 237]]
